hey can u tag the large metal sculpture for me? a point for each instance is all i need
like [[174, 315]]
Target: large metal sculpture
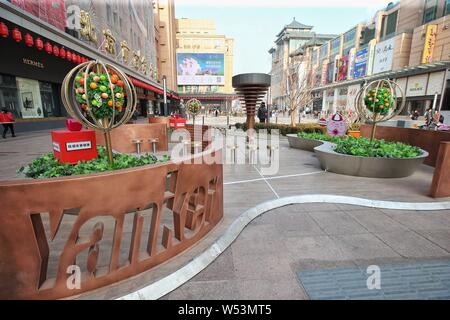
[[379, 101], [251, 87], [100, 96]]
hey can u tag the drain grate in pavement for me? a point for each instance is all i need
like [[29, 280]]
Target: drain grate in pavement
[[417, 281]]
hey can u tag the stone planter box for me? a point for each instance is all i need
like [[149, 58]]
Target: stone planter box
[[303, 143], [370, 167], [112, 226]]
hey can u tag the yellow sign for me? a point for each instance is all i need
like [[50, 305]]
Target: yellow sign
[[430, 41]]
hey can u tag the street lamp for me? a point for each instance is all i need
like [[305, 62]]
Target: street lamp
[[165, 96]]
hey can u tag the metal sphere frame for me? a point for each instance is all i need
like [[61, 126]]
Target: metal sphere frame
[[199, 110], [74, 109], [372, 117]]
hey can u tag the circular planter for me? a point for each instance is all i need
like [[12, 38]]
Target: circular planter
[[370, 167], [303, 143]]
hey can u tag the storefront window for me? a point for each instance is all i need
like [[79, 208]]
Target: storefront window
[[335, 46], [28, 99], [49, 103], [323, 51]]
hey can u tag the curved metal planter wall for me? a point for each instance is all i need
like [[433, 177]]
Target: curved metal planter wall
[[141, 199]]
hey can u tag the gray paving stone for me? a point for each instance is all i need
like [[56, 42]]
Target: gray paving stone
[[206, 290], [284, 289], [337, 223], [321, 248], [376, 221], [412, 245], [363, 246]]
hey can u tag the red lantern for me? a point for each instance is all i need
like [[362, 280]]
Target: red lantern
[[39, 44], [29, 40], [17, 35], [48, 48], [55, 51], [69, 55], [62, 53], [74, 58], [4, 32], [78, 59]]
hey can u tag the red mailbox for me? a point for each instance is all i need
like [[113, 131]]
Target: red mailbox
[[74, 146]]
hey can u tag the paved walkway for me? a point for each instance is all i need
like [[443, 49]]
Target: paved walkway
[[266, 258]]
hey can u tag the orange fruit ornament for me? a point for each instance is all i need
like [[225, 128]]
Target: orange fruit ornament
[[93, 86]]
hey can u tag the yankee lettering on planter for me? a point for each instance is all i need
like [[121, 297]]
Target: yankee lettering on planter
[[99, 218]]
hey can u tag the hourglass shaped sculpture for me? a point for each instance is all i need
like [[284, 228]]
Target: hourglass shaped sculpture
[[100, 96], [378, 101]]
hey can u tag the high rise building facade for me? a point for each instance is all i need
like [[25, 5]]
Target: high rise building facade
[[204, 63], [293, 37], [407, 41]]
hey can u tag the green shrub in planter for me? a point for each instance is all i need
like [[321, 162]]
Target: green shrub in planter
[[285, 128], [47, 166], [377, 148], [320, 136]]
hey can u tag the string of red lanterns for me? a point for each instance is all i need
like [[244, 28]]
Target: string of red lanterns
[[39, 44]]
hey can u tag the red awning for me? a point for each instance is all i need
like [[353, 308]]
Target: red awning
[[146, 86]]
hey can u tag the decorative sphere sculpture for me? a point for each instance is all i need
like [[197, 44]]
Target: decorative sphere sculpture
[[193, 108], [378, 101], [100, 96]]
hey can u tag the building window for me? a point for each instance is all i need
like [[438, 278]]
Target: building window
[[447, 7], [391, 24], [314, 57], [323, 51], [368, 34], [430, 10], [335, 46]]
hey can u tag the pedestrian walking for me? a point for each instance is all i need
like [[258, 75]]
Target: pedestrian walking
[[262, 113], [7, 120]]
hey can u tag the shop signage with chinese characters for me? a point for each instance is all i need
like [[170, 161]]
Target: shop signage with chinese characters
[[33, 63], [384, 55]]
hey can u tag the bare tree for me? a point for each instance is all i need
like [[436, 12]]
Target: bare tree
[[297, 88]]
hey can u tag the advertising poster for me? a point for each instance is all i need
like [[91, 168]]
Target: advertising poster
[[330, 72], [370, 57], [29, 98], [324, 72], [201, 68], [430, 41], [360, 63], [351, 63], [384, 55], [342, 68], [351, 96]]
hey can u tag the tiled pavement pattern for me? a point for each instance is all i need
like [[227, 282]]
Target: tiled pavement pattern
[[417, 281], [264, 261]]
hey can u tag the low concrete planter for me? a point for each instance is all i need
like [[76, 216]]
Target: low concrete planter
[[370, 167], [303, 143]]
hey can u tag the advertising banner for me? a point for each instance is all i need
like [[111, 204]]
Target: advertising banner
[[330, 72], [324, 72], [201, 68], [351, 63], [384, 55], [417, 85], [370, 57], [430, 40], [360, 63], [351, 96], [342, 68]]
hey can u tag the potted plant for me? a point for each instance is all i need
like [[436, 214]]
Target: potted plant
[[354, 130]]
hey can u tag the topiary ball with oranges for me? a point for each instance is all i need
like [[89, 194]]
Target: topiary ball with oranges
[[379, 100], [102, 94]]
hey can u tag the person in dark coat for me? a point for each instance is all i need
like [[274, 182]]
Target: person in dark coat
[[262, 113]]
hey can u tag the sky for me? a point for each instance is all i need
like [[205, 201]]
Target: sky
[[254, 24]]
